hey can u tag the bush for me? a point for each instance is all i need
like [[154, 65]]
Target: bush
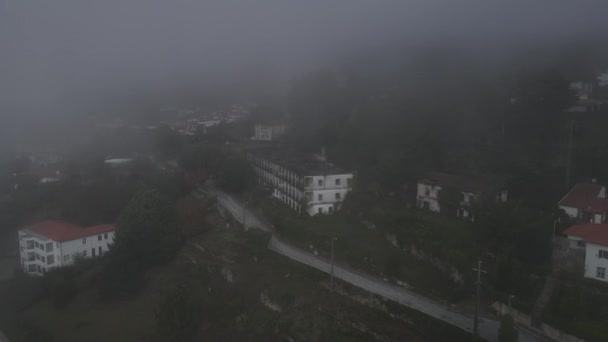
[[178, 315], [507, 331]]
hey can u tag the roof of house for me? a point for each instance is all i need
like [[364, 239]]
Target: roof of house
[[597, 205], [65, 231], [465, 183], [590, 232], [300, 163], [581, 196]]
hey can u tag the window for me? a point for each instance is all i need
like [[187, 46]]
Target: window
[[92, 252], [349, 182], [49, 247], [331, 209], [42, 258], [98, 237], [603, 254], [427, 192], [84, 241], [66, 258], [320, 182], [320, 210], [99, 250], [84, 253], [307, 181], [31, 268], [601, 272], [37, 257], [338, 181], [29, 244], [42, 246], [36, 244], [38, 269], [50, 259], [320, 197], [31, 256], [308, 194], [580, 243], [105, 236], [338, 195]]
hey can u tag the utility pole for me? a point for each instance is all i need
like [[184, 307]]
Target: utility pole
[[475, 321], [245, 215], [569, 161], [331, 272]]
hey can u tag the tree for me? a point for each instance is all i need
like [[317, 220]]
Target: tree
[[147, 229], [236, 175], [178, 314], [507, 331]]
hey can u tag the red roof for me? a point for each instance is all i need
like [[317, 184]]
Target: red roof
[[581, 195], [64, 231], [597, 205], [590, 232]]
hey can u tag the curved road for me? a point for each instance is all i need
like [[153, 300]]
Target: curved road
[[488, 328]]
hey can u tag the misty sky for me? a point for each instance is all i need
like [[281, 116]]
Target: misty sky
[[63, 53]]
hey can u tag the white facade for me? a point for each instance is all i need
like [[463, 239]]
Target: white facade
[[427, 197], [303, 192], [268, 132], [596, 258], [40, 254]]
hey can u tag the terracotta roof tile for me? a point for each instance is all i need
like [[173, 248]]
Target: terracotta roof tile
[[581, 196], [65, 231], [590, 232]]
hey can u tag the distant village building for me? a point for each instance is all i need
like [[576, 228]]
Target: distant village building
[[593, 239], [470, 189], [304, 183], [586, 202], [49, 244], [268, 132]]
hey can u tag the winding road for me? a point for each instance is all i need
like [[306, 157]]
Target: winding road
[[488, 328]]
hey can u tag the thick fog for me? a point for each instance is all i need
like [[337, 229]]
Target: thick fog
[[70, 55]]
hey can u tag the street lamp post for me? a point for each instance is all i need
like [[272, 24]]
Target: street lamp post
[[331, 273], [510, 297]]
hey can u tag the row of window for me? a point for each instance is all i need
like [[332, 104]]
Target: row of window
[[31, 244], [36, 268], [49, 260], [99, 238], [308, 194], [337, 181]]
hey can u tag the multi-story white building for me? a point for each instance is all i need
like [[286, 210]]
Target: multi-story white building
[[304, 183], [48, 244], [593, 238]]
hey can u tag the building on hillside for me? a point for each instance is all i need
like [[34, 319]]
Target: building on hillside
[[586, 202], [304, 183], [593, 239], [268, 132], [470, 189], [49, 244]]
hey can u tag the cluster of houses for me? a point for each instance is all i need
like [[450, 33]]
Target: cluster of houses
[[586, 204], [194, 121], [591, 95], [46, 245]]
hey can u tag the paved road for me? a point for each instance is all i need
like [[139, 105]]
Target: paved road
[[488, 328]]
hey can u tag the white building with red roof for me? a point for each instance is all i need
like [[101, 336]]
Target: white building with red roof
[[48, 244], [586, 202], [593, 238]]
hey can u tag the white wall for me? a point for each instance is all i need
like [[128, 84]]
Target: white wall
[[85, 247], [429, 194], [41, 253], [572, 212], [593, 261]]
